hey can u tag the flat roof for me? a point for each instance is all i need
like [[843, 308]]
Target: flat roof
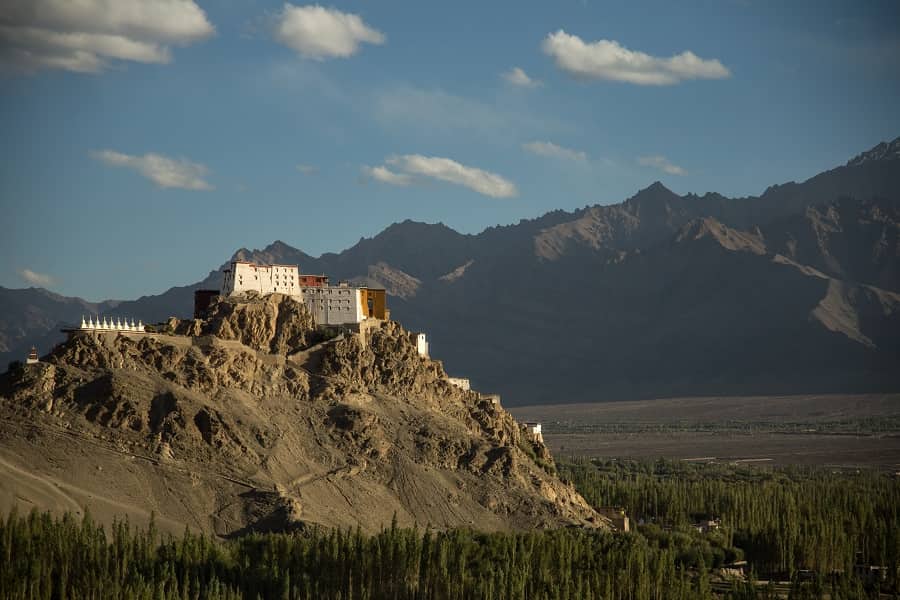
[[247, 262]]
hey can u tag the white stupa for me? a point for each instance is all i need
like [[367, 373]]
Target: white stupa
[[111, 324]]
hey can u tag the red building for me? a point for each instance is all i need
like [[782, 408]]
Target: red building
[[313, 280]]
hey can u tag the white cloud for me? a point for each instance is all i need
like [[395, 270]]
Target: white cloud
[[385, 175], [555, 151], [516, 76], [662, 163], [164, 171], [443, 169], [607, 59], [307, 169], [319, 33], [85, 35], [35, 278]]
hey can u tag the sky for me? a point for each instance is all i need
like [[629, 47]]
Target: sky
[[142, 142]]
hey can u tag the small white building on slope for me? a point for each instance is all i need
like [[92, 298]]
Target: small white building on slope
[[421, 344], [460, 382], [245, 276]]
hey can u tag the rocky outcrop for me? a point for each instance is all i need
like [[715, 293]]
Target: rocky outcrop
[[274, 323], [348, 432], [487, 440]]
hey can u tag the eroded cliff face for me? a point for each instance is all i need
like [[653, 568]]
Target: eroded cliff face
[[274, 323], [465, 430], [236, 422]]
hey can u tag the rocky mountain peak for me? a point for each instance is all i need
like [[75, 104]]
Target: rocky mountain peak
[[655, 187], [655, 195], [883, 151], [278, 246]]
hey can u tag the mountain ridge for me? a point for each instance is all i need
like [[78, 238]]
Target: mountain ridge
[[615, 269]]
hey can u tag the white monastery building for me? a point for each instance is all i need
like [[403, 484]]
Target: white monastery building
[[329, 304], [245, 276]]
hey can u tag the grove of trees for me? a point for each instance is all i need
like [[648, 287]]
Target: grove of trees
[[812, 527]]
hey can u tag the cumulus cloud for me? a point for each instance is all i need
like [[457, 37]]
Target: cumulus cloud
[[554, 151], [662, 163], [516, 76], [163, 171], [607, 59], [319, 33], [307, 169], [35, 278], [84, 36], [385, 175], [408, 167]]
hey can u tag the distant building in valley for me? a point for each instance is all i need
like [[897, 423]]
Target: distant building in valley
[[618, 517], [706, 525]]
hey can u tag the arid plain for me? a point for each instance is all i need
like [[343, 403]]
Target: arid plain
[[843, 431]]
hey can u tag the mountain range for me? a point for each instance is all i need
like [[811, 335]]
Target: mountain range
[[793, 291]]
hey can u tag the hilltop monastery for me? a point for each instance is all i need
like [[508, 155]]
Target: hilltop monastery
[[340, 304]]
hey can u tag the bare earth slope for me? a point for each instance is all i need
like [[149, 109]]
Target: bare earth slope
[[241, 426]]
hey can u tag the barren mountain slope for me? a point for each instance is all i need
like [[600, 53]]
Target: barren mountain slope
[[241, 426]]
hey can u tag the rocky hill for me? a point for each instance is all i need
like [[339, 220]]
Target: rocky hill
[[250, 420], [793, 291]]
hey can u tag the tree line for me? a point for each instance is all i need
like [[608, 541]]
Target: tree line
[[784, 520], [813, 526]]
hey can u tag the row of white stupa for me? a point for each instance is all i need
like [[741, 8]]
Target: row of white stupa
[[110, 325]]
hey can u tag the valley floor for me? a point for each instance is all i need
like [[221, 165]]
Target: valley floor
[[841, 431]]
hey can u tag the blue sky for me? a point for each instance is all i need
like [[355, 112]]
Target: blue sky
[[140, 152]]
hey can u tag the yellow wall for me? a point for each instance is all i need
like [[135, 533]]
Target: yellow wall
[[379, 303]]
